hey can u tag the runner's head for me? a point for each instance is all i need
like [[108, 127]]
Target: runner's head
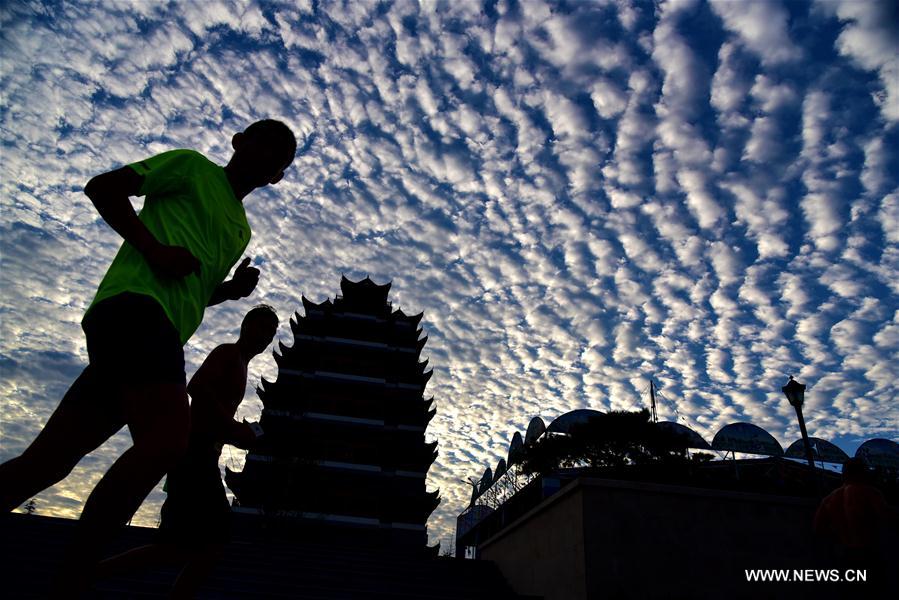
[[258, 329], [263, 151], [854, 471]]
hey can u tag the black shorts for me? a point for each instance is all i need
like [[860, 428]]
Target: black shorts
[[130, 340], [196, 512]]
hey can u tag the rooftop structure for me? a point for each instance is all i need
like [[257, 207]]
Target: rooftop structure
[[822, 450], [508, 491], [746, 438], [880, 452]]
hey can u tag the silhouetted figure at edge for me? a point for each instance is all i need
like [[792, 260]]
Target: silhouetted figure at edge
[[191, 231], [196, 515], [857, 524]]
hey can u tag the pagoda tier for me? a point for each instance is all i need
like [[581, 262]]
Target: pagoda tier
[[345, 357], [345, 419], [346, 439], [337, 396], [277, 485], [396, 330], [300, 386]]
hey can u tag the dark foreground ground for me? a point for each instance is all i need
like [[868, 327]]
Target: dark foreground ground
[[31, 548]]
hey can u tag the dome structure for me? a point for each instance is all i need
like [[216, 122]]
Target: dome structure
[[536, 428], [822, 450], [486, 481], [746, 438], [879, 452], [516, 447], [500, 470], [692, 439], [564, 423]]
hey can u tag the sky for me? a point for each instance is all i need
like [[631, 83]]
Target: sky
[[579, 195]]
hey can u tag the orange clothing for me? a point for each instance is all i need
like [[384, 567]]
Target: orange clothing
[[852, 515], [216, 390]]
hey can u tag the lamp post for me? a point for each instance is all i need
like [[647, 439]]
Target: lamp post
[[795, 393]]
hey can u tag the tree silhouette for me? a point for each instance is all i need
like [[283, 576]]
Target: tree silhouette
[[614, 439], [30, 507]]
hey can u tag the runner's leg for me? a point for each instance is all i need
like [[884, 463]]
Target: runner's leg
[[81, 423], [158, 416], [159, 420]]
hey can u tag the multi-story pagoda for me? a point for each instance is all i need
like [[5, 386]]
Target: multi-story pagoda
[[344, 423]]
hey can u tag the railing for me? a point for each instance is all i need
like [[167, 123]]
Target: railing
[[504, 487]]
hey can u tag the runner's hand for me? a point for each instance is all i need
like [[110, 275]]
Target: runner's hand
[[173, 261], [244, 280]]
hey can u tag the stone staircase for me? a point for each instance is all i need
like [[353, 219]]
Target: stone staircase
[[31, 548]]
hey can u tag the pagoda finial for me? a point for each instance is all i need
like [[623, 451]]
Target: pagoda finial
[[365, 295]]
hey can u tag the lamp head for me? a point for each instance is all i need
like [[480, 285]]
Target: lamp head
[[795, 392]]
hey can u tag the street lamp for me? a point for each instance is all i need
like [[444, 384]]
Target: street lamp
[[795, 393]]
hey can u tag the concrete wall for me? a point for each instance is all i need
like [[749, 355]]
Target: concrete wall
[[543, 553], [668, 541], [611, 539]]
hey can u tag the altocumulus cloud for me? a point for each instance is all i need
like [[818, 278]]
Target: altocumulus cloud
[[580, 196]]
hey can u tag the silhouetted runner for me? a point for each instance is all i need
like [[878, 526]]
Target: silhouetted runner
[[172, 264], [196, 515], [856, 522]]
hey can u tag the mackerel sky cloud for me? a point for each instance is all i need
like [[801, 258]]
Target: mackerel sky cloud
[[578, 195]]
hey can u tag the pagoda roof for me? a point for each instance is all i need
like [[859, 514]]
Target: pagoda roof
[[399, 315], [364, 297], [309, 304], [364, 287]]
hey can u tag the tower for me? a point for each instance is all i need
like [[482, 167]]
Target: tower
[[344, 423]]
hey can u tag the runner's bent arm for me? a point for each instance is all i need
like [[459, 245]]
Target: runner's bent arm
[[234, 432], [109, 193], [240, 286], [210, 400]]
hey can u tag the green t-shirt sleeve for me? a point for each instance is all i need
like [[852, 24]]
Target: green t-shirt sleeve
[[163, 171], [189, 203]]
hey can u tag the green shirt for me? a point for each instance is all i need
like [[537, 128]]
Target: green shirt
[[189, 203]]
